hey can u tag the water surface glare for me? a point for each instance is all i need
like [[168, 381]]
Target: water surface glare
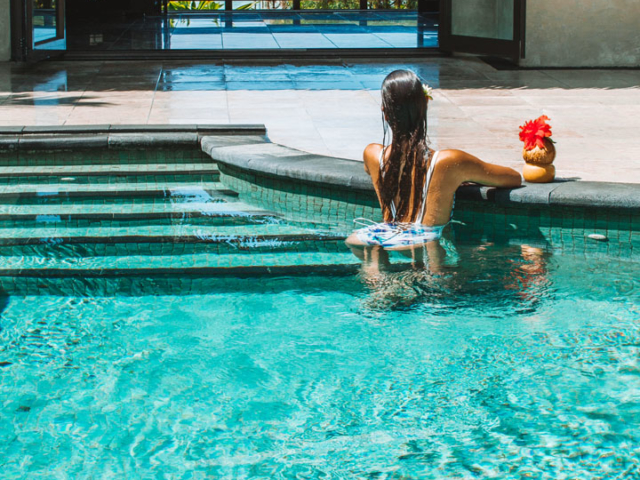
[[527, 366]]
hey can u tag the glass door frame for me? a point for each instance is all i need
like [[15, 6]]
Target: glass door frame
[[23, 47], [59, 9], [513, 49]]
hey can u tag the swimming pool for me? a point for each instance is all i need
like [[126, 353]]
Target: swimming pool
[[175, 327], [520, 366]]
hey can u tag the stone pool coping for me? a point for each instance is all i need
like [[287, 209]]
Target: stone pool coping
[[259, 155], [248, 148], [33, 138]]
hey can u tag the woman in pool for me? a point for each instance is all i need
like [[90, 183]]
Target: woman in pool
[[416, 185]]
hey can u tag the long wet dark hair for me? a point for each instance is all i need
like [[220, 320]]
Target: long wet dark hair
[[405, 110]]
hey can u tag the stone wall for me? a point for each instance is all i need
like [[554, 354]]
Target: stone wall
[[582, 33], [5, 30], [483, 18]]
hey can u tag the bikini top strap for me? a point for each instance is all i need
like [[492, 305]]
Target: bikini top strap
[[392, 207], [381, 160], [425, 189]]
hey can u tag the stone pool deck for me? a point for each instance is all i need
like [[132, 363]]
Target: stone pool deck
[[333, 109]]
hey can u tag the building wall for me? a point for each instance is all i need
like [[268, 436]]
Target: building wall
[[5, 30], [483, 18], [582, 33]]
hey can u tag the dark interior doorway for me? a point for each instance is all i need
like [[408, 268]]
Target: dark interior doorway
[[228, 28], [223, 28]]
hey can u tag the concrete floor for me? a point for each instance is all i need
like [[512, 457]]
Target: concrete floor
[[334, 108]]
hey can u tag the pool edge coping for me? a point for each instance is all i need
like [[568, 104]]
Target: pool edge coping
[[272, 159], [247, 147], [65, 137]]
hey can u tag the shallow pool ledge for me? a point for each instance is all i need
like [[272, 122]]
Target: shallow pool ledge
[[41, 138], [257, 155]]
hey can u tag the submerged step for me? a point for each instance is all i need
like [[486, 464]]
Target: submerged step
[[39, 193], [110, 174], [105, 223], [126, 246], [47, 214], [112, 179], [103, 157], [158, 240], [326, 277], [109, 170], [58, 233], [194, 264]]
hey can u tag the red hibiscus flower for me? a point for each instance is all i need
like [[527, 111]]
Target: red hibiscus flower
[[534, 132]]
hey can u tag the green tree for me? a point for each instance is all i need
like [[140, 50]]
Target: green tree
[[200, 6]]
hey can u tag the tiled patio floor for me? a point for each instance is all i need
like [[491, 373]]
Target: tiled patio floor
[[334, 108]]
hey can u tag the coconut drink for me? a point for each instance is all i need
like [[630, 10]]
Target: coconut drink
[[539, 151]]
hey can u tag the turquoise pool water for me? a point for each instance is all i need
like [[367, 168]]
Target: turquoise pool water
[[155, 324], [510, 363]]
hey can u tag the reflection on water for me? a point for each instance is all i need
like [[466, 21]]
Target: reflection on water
[[512, 278]]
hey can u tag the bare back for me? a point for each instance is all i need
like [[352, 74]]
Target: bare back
[[452, 168]]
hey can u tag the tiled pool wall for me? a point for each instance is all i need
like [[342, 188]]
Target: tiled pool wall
[[107, 169], [14, 157], [300, 201], [558, 227], [552, 227], [97, 162], [563, 227]]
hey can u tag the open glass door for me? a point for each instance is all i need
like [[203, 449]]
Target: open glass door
[[38, 28], [47, 21], [486, 27]]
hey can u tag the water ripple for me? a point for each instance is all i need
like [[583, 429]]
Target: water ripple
[[507, 367]]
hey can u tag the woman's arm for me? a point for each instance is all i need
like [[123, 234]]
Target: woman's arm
[[472, 169]]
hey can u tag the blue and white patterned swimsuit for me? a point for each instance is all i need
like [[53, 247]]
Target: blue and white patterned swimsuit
[[397, 234]]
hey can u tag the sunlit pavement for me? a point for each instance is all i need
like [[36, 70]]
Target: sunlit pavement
[[334, 108]]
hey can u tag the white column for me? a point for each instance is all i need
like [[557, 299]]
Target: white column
[[5, 30], [582, 33]]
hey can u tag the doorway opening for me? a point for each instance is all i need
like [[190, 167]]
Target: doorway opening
[[280, 28]]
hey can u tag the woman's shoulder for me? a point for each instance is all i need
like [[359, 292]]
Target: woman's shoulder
[[451, 154], [451, 157], [371, 157], [451, 165], [372, 152]]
